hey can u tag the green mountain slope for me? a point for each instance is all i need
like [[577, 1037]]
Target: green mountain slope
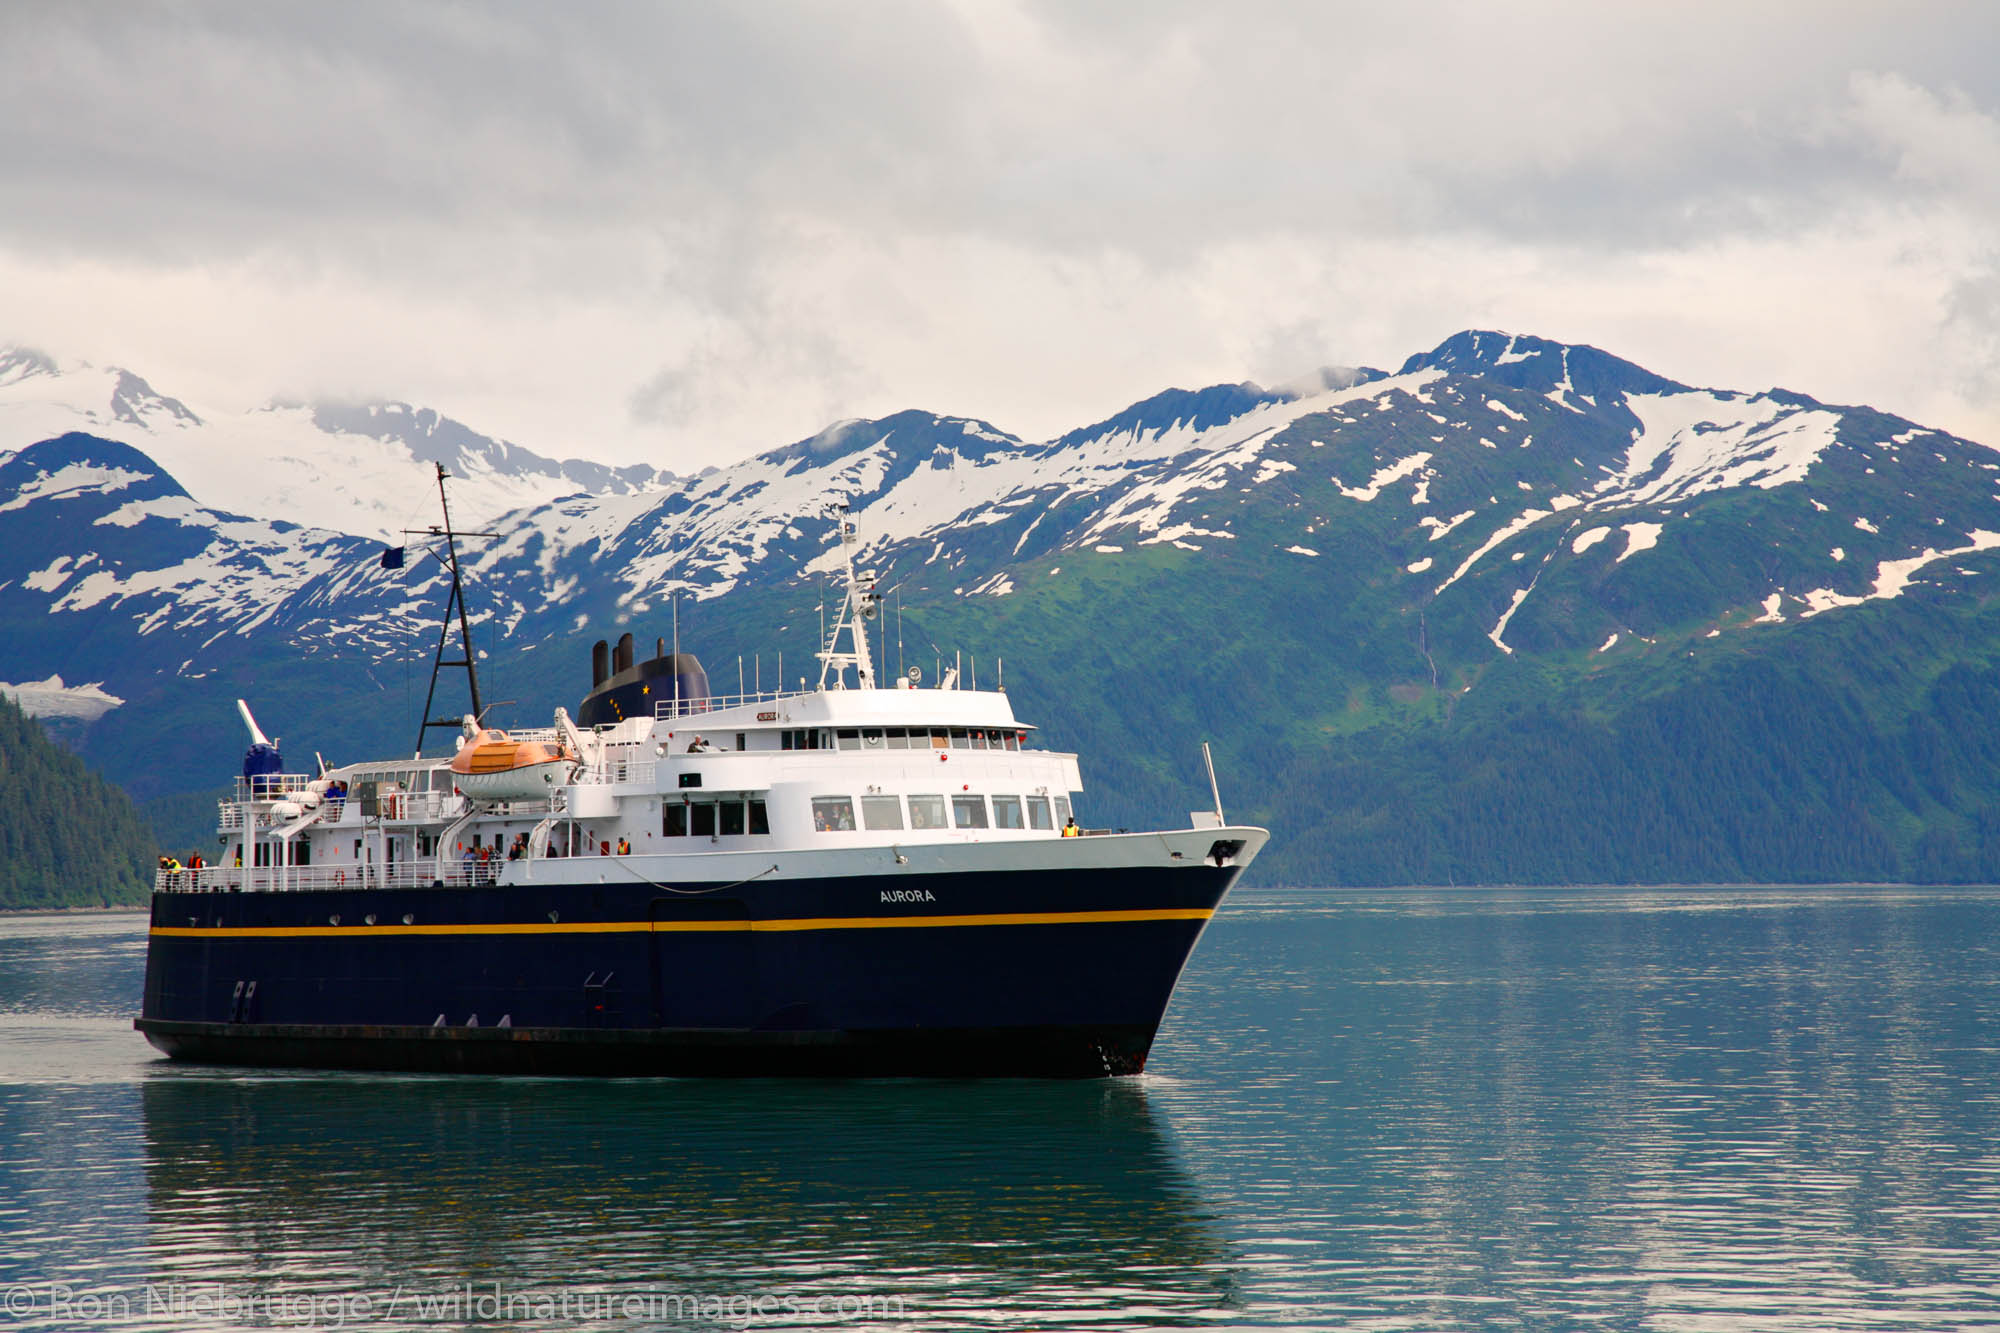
[[68, 838], [1519, 611], [1855, 747]]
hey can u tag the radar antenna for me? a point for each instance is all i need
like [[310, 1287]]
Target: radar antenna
[[861, 605]]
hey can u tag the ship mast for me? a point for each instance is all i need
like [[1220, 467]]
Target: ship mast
[[859, 606], [454, 604]]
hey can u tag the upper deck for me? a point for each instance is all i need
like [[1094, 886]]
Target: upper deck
[[834, 707], [800, 771]]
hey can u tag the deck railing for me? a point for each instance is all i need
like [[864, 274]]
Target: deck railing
[[265, 786], [278, 879], [715, 703], [618, 770]]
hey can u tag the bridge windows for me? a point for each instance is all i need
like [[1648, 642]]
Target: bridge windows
[[730, 817]]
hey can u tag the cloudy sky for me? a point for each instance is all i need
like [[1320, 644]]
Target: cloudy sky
[[684, 233]]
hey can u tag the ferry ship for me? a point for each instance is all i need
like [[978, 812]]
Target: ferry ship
[[862, 878]]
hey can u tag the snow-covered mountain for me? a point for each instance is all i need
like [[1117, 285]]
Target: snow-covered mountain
[[1366, 549], [1476, 455], [1480, 468], [351, 467]]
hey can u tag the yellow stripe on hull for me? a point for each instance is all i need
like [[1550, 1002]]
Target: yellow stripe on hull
[[646, 927]]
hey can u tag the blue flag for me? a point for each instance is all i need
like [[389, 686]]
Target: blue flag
[[392, 557]]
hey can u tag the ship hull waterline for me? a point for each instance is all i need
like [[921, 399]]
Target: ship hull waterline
[[987, 974]]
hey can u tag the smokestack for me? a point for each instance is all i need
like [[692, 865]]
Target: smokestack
[[621, 660], [600, 663]]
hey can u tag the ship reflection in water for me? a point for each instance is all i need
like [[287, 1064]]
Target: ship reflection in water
[[948, 1201]]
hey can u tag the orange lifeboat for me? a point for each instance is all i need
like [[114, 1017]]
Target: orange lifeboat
[[493, 766]]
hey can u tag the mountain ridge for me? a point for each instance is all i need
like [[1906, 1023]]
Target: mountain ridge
[[1369, 563], [327, 463]]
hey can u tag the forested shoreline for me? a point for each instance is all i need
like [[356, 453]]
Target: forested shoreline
[[68, 837]]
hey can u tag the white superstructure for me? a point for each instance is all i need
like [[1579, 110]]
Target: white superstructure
[[844, 778]]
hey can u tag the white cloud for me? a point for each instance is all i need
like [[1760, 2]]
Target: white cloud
[[682, 235]]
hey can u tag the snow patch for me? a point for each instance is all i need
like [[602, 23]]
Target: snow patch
[[1639, 537], [1892, 577], [1605, 647], [1526, 519], [1180, 532], [1301, 550], [1866, 526], [1394, 472], [1500, 629], [52, 577], [72, 480], [1691, 442], [1419, 566], [52, 698], [1440, 526], [1588, 538]]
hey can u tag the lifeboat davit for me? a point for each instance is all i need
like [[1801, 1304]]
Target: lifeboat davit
[[493, 766]]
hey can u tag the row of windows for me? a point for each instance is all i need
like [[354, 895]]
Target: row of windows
[[711, 819], [835, 814], [901, 738]]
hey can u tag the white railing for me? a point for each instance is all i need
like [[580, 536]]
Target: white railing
[[618, 770], [421, 807], [427, 807], [666, 708], [416, 874], [267, 786], [229, 815]]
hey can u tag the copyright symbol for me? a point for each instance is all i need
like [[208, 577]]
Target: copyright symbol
[[20, 1300]]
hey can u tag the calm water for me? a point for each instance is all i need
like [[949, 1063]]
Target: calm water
[[1426, 1110]]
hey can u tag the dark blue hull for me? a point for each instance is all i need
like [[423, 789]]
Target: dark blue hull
[[996, 973]]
